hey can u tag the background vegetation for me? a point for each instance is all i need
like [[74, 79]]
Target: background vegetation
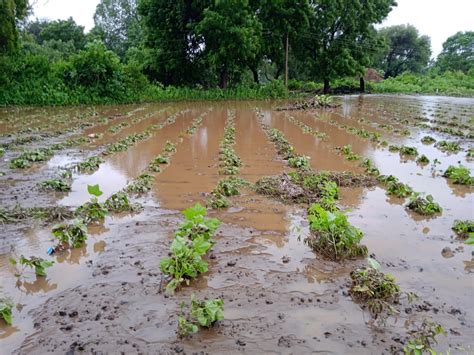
[[169, 50]]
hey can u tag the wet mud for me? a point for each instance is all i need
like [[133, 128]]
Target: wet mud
[[280, 297]]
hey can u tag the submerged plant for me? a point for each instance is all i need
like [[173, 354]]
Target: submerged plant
[[411, 151], [201, 313], [55, 184], [6, 306], [299, 161], [217, 200], [92, 211], [119, 202], [141, 184], [74, 233], [89, 165], [33, 262], [459, 175], [332, 235], [169, 147], [398, 189], [424, 205], [423, 160], [375, 289], [428, 140], [463, 228], [445, 146], [230, 186]]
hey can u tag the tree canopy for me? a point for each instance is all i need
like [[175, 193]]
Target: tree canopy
[[457, 53], [11, 11], [405, 50]]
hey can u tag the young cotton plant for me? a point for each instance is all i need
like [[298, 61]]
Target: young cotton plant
[[191, 242], [332, 235], [6, 306], [33, 262], [74, 234], [93, 211], [201, 313]]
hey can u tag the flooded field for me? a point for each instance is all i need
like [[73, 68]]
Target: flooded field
[[107, 295]]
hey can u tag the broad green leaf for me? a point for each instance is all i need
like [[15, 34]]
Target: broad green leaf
[[94, 190], [374, 264]]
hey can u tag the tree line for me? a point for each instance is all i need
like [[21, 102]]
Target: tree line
[[213, 43]]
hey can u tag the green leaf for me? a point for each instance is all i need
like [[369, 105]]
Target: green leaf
[[470, 240], [196, 210], [374, 264], [94, 190], [12, 261]]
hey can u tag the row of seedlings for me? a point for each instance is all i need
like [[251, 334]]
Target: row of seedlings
[[334, 238], [229, 164], [419, 203]]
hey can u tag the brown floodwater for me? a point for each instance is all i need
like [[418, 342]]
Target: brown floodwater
[[279, 296]]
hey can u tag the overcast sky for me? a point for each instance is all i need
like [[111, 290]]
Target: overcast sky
[[438, 19]]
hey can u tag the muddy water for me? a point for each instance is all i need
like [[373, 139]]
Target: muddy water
[[279, 296]]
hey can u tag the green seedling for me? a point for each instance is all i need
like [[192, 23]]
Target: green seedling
[[410, 151], [34, 262], [459, 175], [75, 233], [6, 306], [230, 186], [119, 202], [55, 184], [192, 240], [423, 205], [299, 161], [332, 235], [464, 229], [423, 338], [141, 184], [201, 313], [428, 140], [450, 147], [92, 211], [398, 189], [169, 147], [89, 165], [423, 160], [217, 200]]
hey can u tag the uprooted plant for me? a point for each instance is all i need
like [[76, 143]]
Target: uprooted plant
[[332, 235], [374, 290], [200, 313], [191, 242]]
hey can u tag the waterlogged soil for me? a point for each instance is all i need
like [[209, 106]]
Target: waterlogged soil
[[280, 297]]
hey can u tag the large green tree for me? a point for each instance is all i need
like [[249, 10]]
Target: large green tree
[[341, 36], [405, 50], [60, 30], [232, 37], [175, 48], [11, 11], [119, 23], [280, 18], [458, 53]]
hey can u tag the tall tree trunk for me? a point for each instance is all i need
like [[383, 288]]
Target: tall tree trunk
[[361, 84], [224, 79], [255, 75], [326, 86]]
